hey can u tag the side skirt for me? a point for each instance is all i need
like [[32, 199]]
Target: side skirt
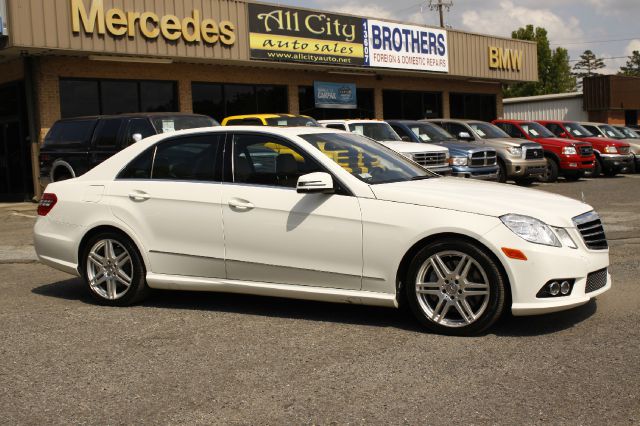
[[323, 294]]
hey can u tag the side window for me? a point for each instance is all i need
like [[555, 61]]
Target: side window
[[140, 126], [140, 167], [263, 160], [554, 128], [402, 133], [336, 126], [188, 158], [455, 129], [70, 132], [245, 122], [106, 136], [511, 130], [593, 129]]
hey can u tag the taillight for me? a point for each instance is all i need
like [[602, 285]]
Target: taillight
[[46, 204]]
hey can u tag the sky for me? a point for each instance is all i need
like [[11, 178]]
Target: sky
[[609, 28]]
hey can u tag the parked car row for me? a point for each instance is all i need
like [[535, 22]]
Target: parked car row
[[522, 151]]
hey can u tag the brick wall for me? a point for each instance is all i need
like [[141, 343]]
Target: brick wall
[[11, 71], [611, 117]]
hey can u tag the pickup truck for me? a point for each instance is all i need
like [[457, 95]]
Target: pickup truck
[[619, 133], [467, 160], [518, 159], [612, 156], [570, 159], [432, 157]]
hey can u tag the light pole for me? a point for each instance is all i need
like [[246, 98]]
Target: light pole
[[440, 5]]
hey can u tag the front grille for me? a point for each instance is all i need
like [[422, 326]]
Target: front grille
[[586, 150], [596, 280], [430, 159], [592, 231], [536, 171], [483, 159], [534, 153], [623, 150]]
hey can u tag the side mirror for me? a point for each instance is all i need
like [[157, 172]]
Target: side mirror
[[406, 138], [465, 136], [315, 183], [136, 137], [564, 135]]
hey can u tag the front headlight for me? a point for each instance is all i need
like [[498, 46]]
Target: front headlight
[[610, 149], [516, 151], [569, 150], [459, 161], [531, 229]]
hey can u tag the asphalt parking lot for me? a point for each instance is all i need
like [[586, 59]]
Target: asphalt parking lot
[[205, 358]]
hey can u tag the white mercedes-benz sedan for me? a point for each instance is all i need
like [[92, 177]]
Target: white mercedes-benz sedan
[[319, 214]]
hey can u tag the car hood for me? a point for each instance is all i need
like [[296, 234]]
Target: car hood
[[512, 141], [485, 198], [559, 142], [602, 141], [462, 148], [410, 147]]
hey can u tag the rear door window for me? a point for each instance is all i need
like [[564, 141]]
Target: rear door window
[[74, 132], [555, 128], [107, 134], [193, 158]]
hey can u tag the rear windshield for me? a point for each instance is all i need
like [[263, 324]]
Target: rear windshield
[[292, 122], [70, 132], [168, 124]]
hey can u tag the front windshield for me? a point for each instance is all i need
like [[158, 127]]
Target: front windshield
[[365, 159], [429, 133], [378, 131], [577, 130], [611, 132], [488, 130], [628, 133], [292, 122], [537, 130], [172, 123]]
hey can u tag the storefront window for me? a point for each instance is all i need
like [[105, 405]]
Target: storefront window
[[366, 107], [473, 106], [411, 105], [223, 100], [81, 97]]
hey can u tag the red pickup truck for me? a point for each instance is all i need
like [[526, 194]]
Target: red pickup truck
[[612, 156], [567, 158]]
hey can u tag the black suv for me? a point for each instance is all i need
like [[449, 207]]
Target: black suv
[[74, 146]]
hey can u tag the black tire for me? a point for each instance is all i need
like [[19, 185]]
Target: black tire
[[551, 175], [135, 270], [61, 173], [597, 168], [525, 181], [611, 172], [502, 172], [490, 307]]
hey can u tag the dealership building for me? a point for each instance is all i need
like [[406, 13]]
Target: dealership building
[[68, 58]]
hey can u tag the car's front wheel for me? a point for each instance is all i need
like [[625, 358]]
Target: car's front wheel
[[453, 287], [113, 270]]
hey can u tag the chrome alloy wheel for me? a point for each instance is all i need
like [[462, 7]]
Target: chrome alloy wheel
[[452, 289], [109, 269]]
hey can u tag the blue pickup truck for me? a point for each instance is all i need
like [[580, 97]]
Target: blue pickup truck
[[467, 160]]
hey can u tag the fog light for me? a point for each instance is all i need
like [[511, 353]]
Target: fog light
[[565, 288], [554, 288]]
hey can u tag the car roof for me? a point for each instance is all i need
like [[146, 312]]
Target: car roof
[[273, 115], [135, 115]]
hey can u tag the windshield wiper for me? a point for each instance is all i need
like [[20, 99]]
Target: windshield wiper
[[421, 177]]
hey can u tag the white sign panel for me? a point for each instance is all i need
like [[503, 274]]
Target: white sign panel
[[409, 47]]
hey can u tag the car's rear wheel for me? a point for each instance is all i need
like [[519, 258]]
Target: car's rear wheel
[[113, 270], [454, 287]]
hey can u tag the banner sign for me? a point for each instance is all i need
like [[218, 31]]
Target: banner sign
[[335, 95], [390, 45], [3, 18], [294, 35]]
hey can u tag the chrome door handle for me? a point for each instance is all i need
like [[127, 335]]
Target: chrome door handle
[[238, 204], [139, 196]]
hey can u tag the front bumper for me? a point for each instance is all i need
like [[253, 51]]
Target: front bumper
[[576, 163], [479, 173], [545, 264], [616, 161], [520, 168], [441, 170]]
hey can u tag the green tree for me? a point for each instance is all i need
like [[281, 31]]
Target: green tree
[[554, 71], [587, 66], [632, 66]]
